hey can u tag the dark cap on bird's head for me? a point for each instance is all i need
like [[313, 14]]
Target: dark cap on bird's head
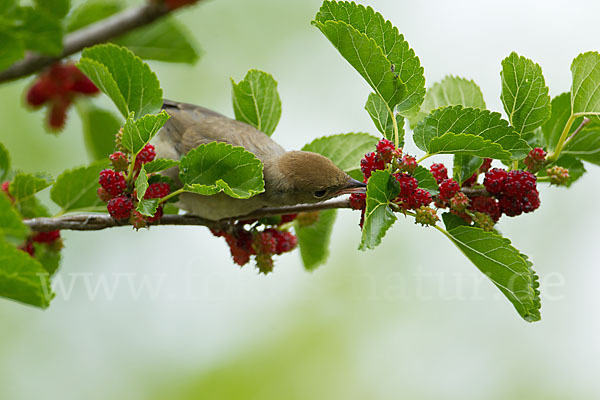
[[310, 178]]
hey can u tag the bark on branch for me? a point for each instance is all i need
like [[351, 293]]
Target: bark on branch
[[96, 222], [99, 32]]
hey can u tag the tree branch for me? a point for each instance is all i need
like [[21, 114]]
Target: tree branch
[[96, 222], [99, 32]]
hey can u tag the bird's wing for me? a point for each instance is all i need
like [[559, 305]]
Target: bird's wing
[[191, 126]]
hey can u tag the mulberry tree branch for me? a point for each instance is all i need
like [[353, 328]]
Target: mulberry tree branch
[[99, 32], [96, 222]]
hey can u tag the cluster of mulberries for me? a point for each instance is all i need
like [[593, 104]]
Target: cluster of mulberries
[[57, 87], [245, 243], [118, 191], [515, 190], [411, 197]]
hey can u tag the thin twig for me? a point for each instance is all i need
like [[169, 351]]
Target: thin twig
[[99, 32], [96, 222]]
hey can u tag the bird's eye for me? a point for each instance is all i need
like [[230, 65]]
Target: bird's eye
[[320, 193]]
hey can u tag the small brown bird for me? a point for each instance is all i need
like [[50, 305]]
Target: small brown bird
[[291, 177]]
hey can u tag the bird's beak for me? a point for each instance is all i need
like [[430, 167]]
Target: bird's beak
[[353, 186]]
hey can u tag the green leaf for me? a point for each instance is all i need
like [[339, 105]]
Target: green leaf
[[313, 240], [456, 119], [214, 167], [508, 269], [561, 112], [23, 186], [12, 49], [76, 189], [22, 278], [147, 207], [32, 208], [124, 77], [256, 101], [91, 11], [451, 91], [585, 145], [364, 54], [164, 40], [58, 8], [575, 167], [345, 150], [41, 31], [99, 129], [395, 48], [452, 221], [382, 188], [10, 221], [382, 119], [426, 180], [141, 184], [160, 164], [138, 133], [4, 163], [465, 167], [465, 144], [47, 257], [524, 93], [585, 91]]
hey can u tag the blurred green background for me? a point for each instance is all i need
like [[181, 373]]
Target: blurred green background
[[165, 313]]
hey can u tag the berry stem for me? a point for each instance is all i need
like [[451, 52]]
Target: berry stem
[[561, 142], [395, 125], [171, 195], [426, 156]]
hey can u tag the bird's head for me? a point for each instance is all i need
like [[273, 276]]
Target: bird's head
[[302, 177]]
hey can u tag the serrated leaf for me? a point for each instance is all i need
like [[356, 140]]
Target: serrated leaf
[[575, 167], [41, 31], [138, 133], [10, 221], [141, 184], [406, 64], [4, 163], [345, 150], [457, 119], [99, 129], [23, 186], [382, 119], [465, 144], [585, 145], [165, 40], [22, 278], [47, 257], [585, 91], [465, 167], [524, 93], [91, 11], [561, 111], [58, 8], [426, 180], [147, 207], [451, 91], [452, 221], [32, 208], [12, 48], [313, 240], [124, 77], [76, 189], [215, 167], [382, 188], [503, 265], [367, 58], [160, 164], [256, 101]]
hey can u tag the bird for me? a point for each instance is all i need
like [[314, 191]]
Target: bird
[[291, 177]]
